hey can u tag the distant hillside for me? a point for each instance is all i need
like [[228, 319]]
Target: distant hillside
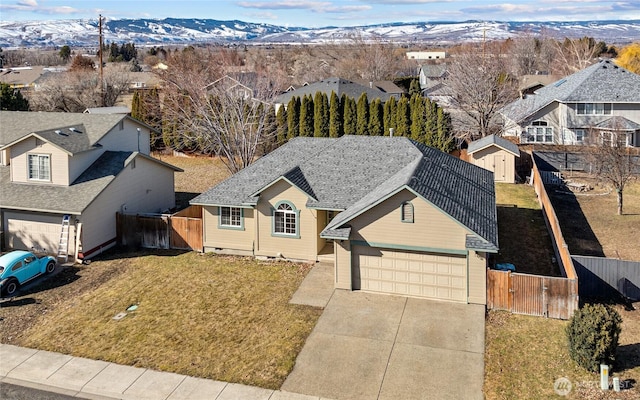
[[83, 33]]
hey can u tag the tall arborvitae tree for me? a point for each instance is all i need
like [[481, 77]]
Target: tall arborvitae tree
[[389, 115], [335, 116], [376, 126], [11, 99], [293, 117], [417, 118], [350, 116], [282, 126], [306, 116], [414, 87], [430, 121], [403, 120], [320, 115], [270, 138], [444, 137], [362, 115]]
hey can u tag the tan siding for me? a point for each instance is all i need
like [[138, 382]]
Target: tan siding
[[485, 159], [81, 161], [127, 138], [232, 239], [20, 165], [26, 230], [432, 228], [477, 278], [322, 222], [305, 247], [342, 250], [146, 188]]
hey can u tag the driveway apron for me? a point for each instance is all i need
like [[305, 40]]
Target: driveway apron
[[373, 346]]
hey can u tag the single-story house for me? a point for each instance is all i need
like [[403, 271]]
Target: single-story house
[[83, 168], [395, 216], [497, 155]]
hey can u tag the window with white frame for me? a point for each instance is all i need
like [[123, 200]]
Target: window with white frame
[[593, 109], [540, 132], [285, 220], [580, 134], [231, 217], [39, 167]]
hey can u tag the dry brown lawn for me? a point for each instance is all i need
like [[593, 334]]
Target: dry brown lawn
[[590, 223], [208, 316]]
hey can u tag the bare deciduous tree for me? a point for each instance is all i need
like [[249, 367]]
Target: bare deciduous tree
[[480, 85], [575, 54], [75, 91], [612, 160], [215, 119]]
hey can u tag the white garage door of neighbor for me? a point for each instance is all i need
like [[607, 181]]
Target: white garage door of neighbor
[[441, 277], [25, 234]]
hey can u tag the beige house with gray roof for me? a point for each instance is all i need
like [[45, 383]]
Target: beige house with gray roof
[[393, 215], [84, 166]]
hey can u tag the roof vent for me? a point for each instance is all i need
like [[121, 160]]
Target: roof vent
[[75, 130], [59, 132], [560, 82]]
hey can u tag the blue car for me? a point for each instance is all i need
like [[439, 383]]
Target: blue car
[[19, 267]]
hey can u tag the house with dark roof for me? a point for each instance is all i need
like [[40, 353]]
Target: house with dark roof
[[497, 155], [83, 168], [393, 215], [339, 86], [598, 99]]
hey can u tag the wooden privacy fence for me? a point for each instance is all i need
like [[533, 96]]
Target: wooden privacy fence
[[536, 295], [552, 297], [182, 230]]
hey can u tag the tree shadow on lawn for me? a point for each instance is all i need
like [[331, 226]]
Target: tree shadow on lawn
[[525, 241], [121, 252], [575, 227], [627, 357]]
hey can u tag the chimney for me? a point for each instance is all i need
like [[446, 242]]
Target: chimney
[[390, 132]]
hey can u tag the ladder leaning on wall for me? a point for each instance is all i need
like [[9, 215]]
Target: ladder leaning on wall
[[63, 245]]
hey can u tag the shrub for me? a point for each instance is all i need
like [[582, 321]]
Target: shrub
[[593, 334]]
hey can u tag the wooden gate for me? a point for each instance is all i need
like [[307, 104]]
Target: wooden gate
[[186, 233], [532, 294]]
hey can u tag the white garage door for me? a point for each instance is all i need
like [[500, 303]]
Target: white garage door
[[25, 231], [441, 277]]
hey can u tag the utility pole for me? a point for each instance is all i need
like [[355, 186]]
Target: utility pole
[[101, 71]]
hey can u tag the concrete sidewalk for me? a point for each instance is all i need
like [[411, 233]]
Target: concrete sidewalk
[[100, 380]]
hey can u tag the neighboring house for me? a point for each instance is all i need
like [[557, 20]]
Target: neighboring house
[[86, 166], [497, 155], [432, 78], [143, 80], [23, 78], [530, 83], [337, 85], [108, 110], [234, 87], [601, 97], [384, 86], [394, 215], [426, 55]]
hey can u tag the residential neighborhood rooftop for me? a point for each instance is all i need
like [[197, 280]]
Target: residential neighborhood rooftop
[[339, 86]]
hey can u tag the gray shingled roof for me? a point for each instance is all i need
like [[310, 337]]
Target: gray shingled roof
[[339, 86], [603, 82], [354, 173], [486, 141], [72, 199], [618, 122]]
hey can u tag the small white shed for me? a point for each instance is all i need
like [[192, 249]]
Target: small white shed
[[497, 155]]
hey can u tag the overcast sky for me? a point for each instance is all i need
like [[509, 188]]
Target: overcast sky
[[318, 13]]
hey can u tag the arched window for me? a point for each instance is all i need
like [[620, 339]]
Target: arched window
[[285, 219], [407, 212]]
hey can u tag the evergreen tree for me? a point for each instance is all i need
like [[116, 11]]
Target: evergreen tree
[[136, 108], [444, 139], [414, 87], [335, 116], [430, 123], [362, 115], [293, 117], [376, 126], [402, 117], [65, 53], [11, 99], [269, 138], [417, 118], [389, 115], [320, 115], [350, 116], [306, 116], [282, 127]]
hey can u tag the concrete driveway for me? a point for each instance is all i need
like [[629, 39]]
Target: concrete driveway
[[370, 346]]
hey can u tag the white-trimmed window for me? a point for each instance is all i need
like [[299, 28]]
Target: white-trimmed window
[[231, 217], [39, 167], [407, 212], [285, 220], [580, 135], [540, 132], [593, 108]]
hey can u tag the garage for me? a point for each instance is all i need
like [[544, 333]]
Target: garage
[[28, 230], [427, 275]]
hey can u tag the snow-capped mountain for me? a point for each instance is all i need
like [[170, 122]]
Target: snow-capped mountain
[[83, 33]]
